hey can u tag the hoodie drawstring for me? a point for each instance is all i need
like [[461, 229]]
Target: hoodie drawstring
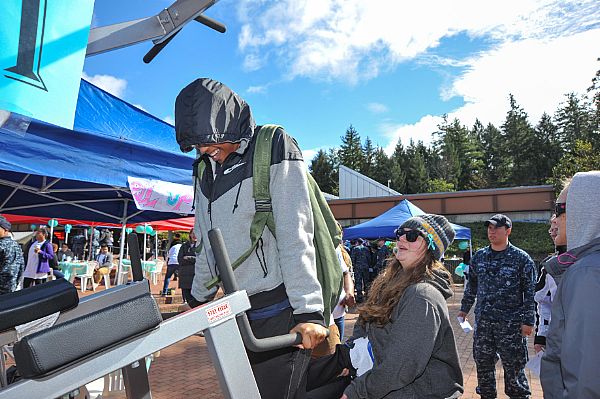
[[237, 196], [263, 261]]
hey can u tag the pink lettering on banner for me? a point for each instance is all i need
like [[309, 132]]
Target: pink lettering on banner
[[184, 199], [143, 195]]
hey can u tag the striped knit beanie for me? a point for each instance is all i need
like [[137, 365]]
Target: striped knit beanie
[[436, 229]]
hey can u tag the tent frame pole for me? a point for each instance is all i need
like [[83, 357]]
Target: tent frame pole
[[123, 239]]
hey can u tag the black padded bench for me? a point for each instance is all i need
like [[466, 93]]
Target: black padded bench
[[33, 303]]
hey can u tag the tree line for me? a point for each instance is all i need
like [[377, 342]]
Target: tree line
[[516, 153]]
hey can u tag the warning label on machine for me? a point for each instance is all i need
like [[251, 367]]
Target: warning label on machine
[[217, 312]]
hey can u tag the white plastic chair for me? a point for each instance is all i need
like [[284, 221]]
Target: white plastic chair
[[155, 271], [87, 274]]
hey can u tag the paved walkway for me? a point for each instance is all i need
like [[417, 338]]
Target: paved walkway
[[185, 371]]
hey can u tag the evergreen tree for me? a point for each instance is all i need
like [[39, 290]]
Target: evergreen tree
[[460, 155], [477, 178], [334, 159], [594, 104], [382, 167], [582, 158], [398, 174], [519, 138], [350, 152], [573, 121], [369, 158], [321, 169], [548, 149], [496, 162], [416, 173]]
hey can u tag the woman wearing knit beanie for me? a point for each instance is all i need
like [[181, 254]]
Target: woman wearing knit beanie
[[405, 320]]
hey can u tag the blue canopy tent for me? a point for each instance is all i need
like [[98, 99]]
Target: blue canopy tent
[[385, 224], [82, 173]]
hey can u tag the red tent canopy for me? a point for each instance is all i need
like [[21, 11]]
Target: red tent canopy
[[183, 224]]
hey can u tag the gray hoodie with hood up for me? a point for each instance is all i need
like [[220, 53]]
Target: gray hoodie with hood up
[[207, 111], [570, 366], [415, 355]]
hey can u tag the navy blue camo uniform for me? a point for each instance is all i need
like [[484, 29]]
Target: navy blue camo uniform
[[361, 257], [504, 284]]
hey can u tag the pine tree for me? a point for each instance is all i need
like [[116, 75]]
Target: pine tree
[[416, 173], [594, 105], [520, 143], [461, 162], [382, 167], [399, 164], [582, 158], [321, 169], [369, 158], [495, 158], [548, 149], [573, 121], [477, 178], [350, 152]]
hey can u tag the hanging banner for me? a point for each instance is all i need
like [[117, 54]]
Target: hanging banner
[[41, 57], [157, 195]]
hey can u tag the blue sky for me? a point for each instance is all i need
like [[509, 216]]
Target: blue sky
[[388, 67]]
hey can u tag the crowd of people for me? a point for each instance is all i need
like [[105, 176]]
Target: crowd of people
[[403, 343]]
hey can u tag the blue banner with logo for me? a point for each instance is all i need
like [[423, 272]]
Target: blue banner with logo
[[41, 57]]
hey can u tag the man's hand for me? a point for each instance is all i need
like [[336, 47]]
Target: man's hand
[[526, 330], [36, 249], [539, 348], [349, 300], [462, 314], [312, 334]]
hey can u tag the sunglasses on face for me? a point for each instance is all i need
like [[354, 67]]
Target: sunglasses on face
[[411, 235], [560, 208]]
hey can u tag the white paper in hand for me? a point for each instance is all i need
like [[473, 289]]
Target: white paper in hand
[[361, 355], [535, 363], [464, 324]]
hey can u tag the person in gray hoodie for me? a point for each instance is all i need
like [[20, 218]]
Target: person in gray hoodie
[[572, 358], [405, 318], [280, 275]]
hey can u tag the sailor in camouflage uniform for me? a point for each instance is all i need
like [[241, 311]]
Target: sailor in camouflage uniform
[[502, 277], [11, 259]]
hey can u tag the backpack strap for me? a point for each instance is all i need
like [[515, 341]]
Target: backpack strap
[[261, 178]]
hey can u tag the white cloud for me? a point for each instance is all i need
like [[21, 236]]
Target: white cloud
[[113, 85], [169, 119], [353, 40], [538, 72], [309, 154], [377, 108], [419, 131], [257, 89]]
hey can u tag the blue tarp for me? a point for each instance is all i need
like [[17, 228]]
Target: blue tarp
[[82, 173], [385, 224]]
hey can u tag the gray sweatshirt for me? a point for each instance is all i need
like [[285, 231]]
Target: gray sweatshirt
[[415, 354], [207, 112], [570, 366]]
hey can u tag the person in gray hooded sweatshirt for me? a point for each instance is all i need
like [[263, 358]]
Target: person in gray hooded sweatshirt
[[572, 358], [280, 276]]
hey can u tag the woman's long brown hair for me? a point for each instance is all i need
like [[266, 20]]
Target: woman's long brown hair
[[388, 287]]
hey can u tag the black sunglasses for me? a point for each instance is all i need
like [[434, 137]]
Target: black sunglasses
[[560, 208], [411, 235]]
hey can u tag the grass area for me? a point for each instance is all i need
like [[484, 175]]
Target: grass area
[[531, 237]]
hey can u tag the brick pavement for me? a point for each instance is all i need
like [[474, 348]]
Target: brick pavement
[[184, 370]]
